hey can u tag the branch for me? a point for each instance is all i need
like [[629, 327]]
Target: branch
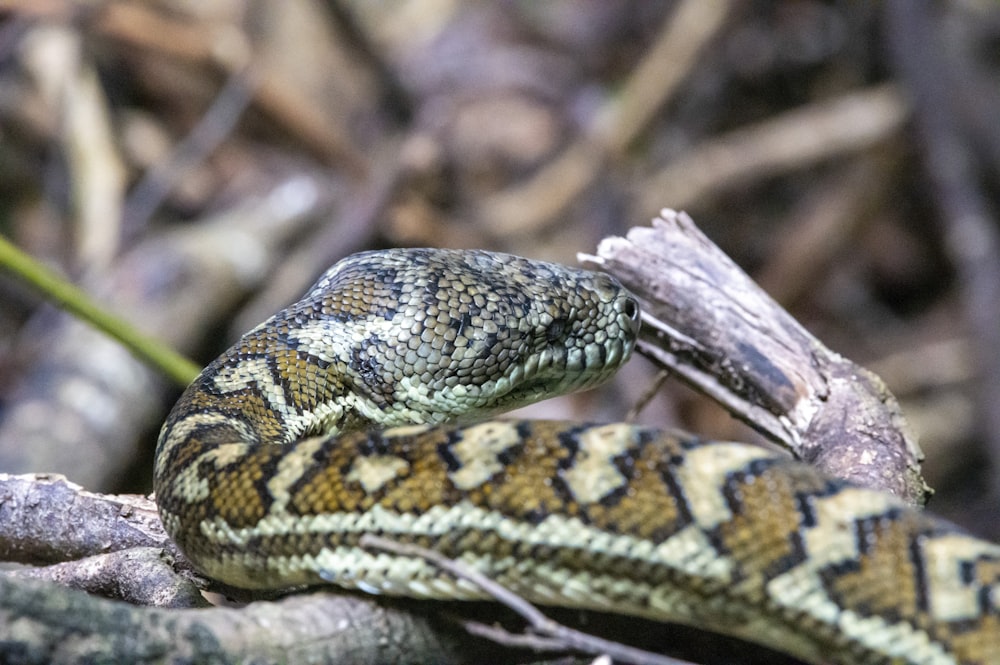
[[45, 519], [708, 322], [42, 623]]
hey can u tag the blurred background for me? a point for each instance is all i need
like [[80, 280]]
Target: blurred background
[[195, 166]]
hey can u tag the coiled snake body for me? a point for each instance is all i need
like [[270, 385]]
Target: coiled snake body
[[326, 422]]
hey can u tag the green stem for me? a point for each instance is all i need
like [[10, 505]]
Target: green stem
[[77, 302]]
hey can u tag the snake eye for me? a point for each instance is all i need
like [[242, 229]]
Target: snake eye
[[555, 329]]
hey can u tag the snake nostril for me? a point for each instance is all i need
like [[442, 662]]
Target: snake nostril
[[630, 308]]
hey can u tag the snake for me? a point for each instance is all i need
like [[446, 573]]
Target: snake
[[370, 406]]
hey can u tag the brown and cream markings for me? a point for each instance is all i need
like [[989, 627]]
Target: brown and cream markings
[[365, 406]]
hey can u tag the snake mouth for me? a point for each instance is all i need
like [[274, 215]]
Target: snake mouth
[[558, 374], [528, 392]]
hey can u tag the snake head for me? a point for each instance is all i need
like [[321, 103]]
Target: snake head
[[435, 335], [414, 336]]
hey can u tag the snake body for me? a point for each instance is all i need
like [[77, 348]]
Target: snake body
[[360, 409]]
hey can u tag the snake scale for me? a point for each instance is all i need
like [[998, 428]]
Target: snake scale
[[364, 407]]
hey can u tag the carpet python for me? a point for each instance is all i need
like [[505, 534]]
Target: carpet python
[[365, 406]]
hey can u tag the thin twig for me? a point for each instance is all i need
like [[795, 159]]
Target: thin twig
[[530, 641], [571, 639], [76, 301], [647, 396]]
